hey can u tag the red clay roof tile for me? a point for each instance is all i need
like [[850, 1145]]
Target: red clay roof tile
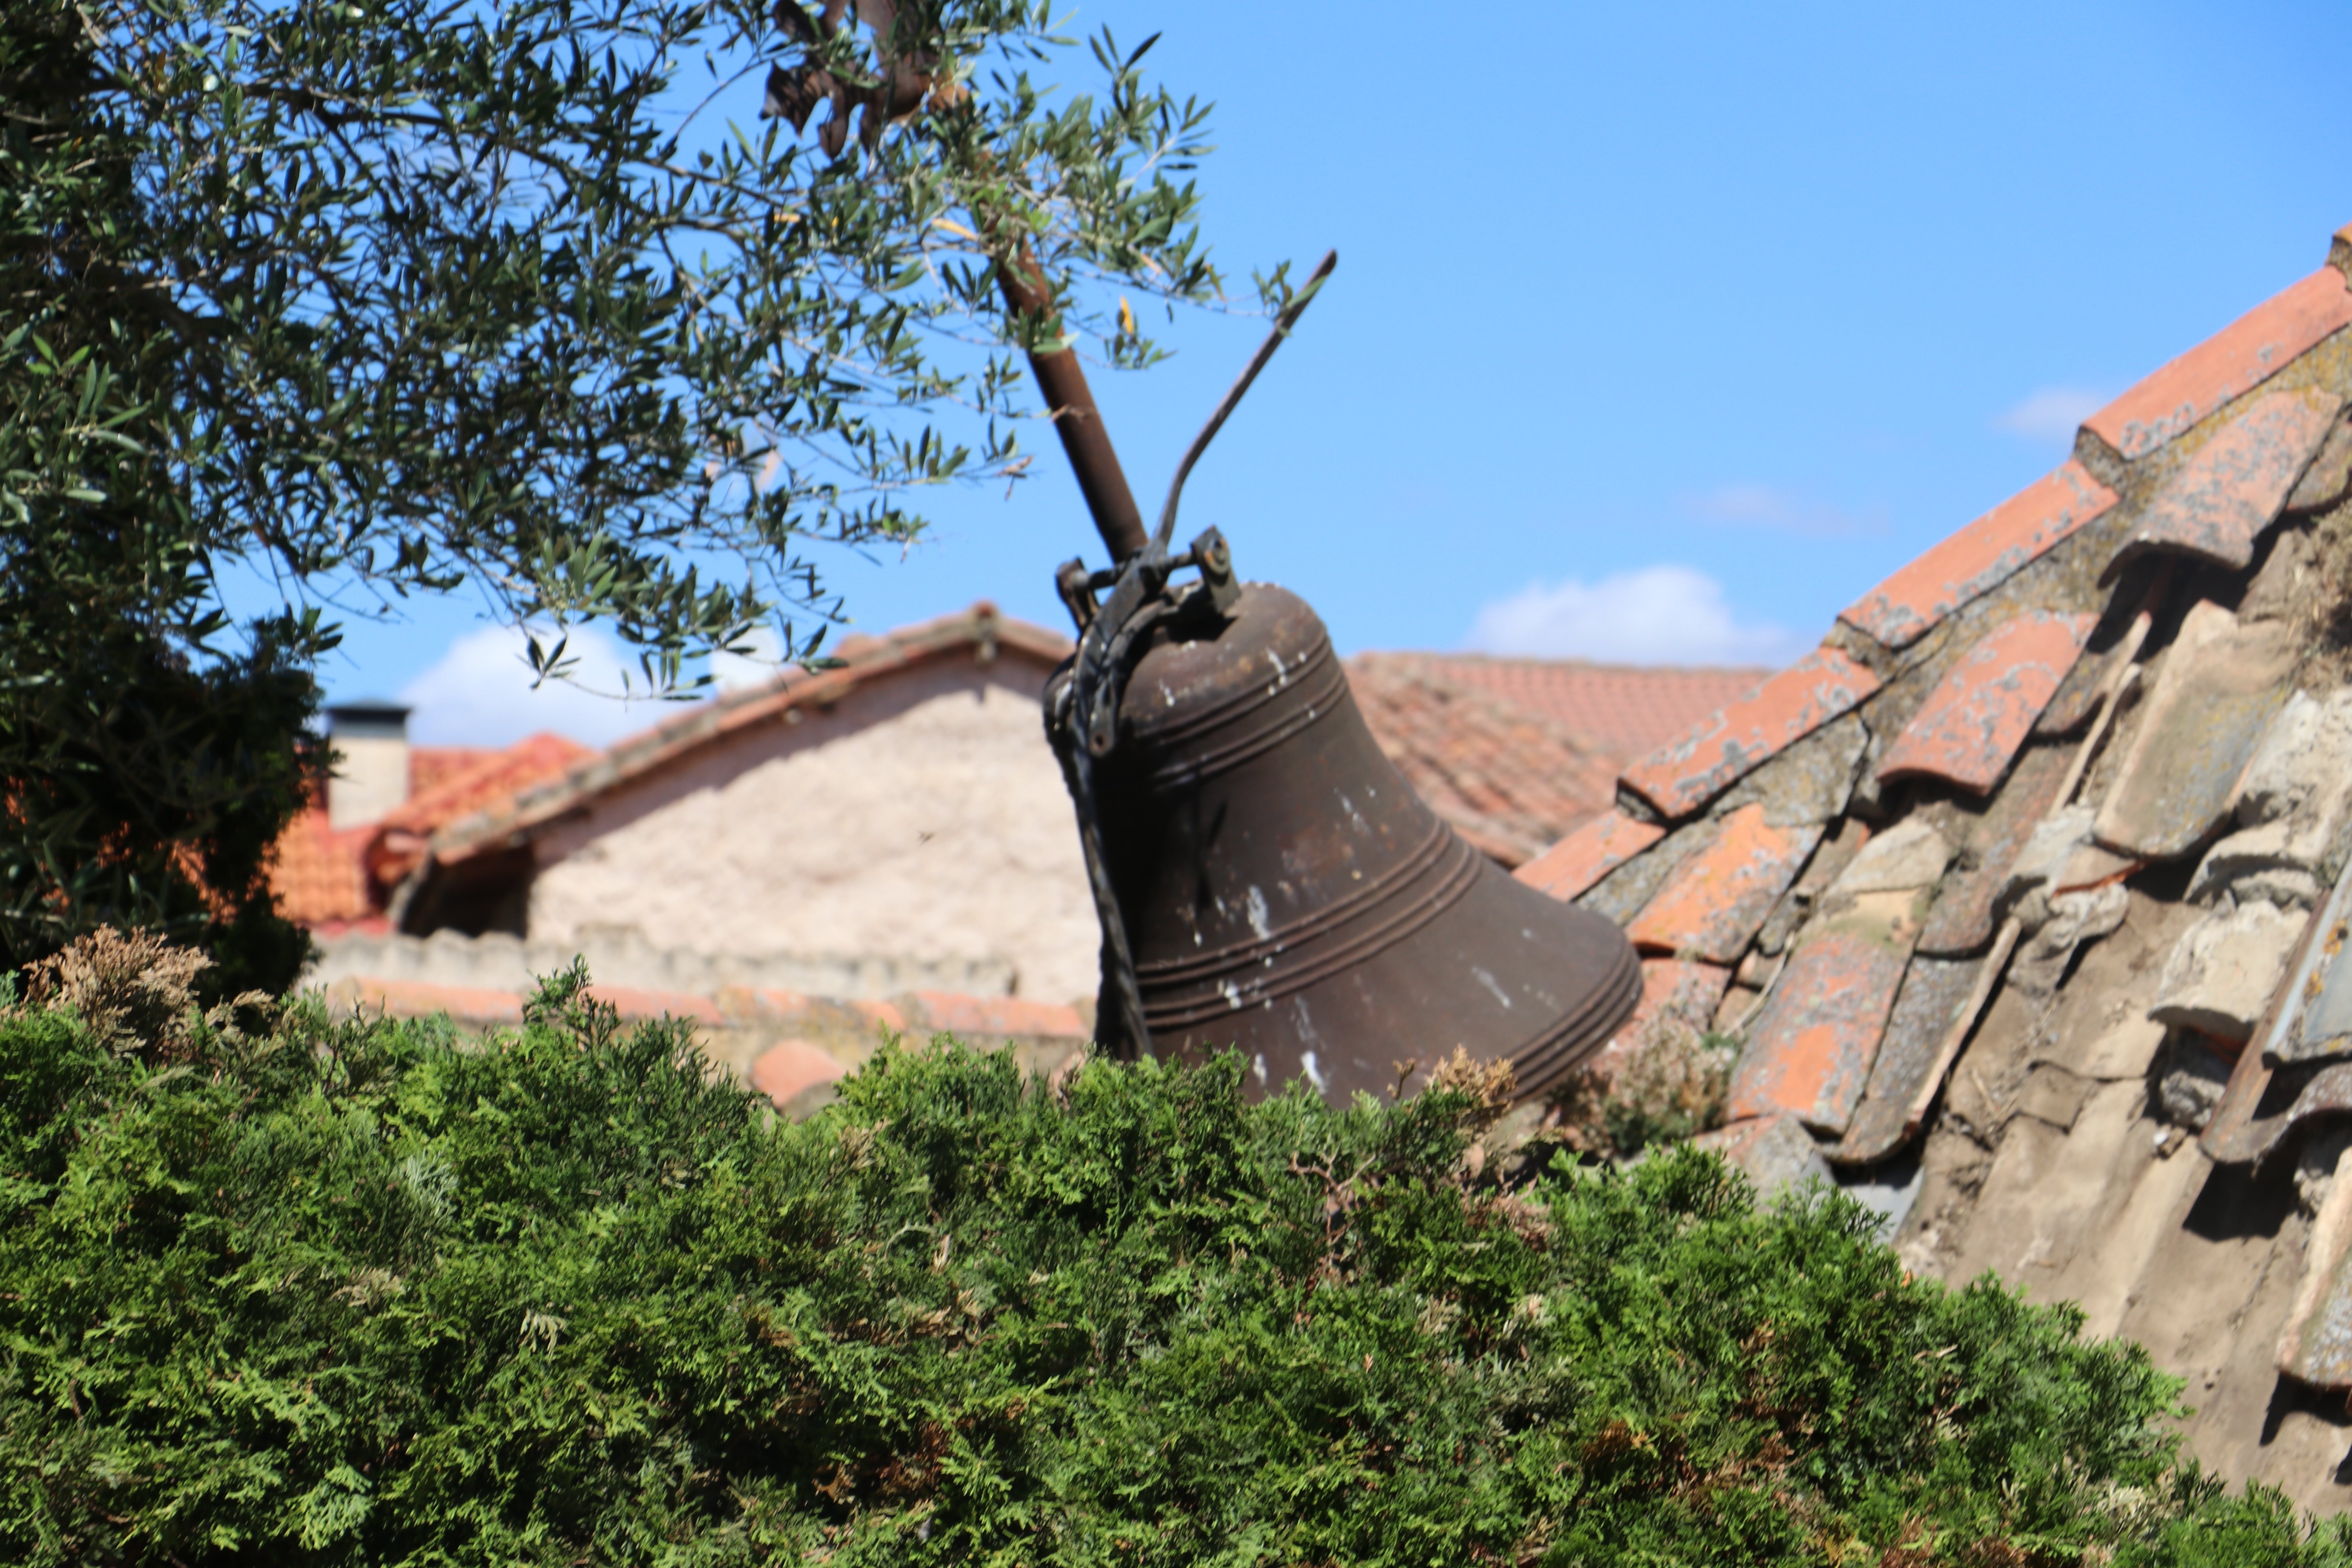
[[792, 1068], [2219, 502], [1982, 556], [1971, 725], [1712, 905], [317, 872], [1810, 1052], [1680, 778], [1671, 988], [1597, 847], [2237, 359]]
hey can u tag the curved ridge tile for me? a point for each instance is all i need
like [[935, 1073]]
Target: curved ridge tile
[[1680, 778], [1982, 556], [1972, 724], [2235, 360], [2219, 502], [1588, 853], [1712, 904]]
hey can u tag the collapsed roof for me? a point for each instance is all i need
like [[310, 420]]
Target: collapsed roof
[[2036, 866]]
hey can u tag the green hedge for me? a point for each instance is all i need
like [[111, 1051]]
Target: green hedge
[[358, 1293]]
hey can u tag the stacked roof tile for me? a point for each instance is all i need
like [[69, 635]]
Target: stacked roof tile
[[2052, 811]]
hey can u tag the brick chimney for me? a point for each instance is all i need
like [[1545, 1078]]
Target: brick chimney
[[371, 777]]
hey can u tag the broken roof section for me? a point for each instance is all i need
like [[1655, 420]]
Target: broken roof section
[[2039, 842]]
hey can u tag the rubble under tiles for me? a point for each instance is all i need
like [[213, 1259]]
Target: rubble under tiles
[[2027, 897]]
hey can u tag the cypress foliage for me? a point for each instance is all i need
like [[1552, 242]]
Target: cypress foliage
[[350, 1291]]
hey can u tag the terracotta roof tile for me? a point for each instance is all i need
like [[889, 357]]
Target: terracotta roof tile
[[1570, 867], [2219, 502], [1712, 905], [1672, 988], [1810, 1052], [792, 1068], [1982, 556], [1617, 710], [1509, 780], [317, 872], [1971, 725], [486, 777], [1679, 779], [430, 766], [2239, 358]]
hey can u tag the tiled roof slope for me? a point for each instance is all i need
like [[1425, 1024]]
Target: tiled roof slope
[[1509, 779], [2051, 831], [331, 881], [1617, 710], [1515, 752]]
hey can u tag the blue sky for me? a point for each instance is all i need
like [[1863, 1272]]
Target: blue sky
[[1660, 332]]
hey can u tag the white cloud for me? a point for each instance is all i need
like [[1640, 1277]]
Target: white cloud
[[1769, 506], [2051, 412], [1659, 615], [479, 692]]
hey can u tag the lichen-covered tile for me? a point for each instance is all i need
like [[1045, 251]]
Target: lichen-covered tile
[[1961, 920], [1925, 1010], [1982, 556], [2327, 483], [2217, 504], [2221, 684], [1811, 782], [1678, 779], [1711, 905], [2239, 358], [2077, 697], [2258, 1105], [1813, 1044], [2313, 1020], [1588, 853], [1624, 892], [1808, 1053], [1972, 724]]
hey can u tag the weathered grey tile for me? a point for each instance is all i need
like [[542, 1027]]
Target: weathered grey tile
[[2221, 686], [1961, 920], [1932, 990]]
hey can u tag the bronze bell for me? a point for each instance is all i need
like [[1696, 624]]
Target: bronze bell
[[1264, 877], [1284, 891]]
